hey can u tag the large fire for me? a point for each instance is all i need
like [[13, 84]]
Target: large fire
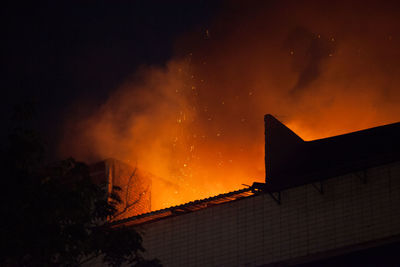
[[198, 121]]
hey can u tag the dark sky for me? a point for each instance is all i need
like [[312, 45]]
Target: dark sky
[[66, 51]]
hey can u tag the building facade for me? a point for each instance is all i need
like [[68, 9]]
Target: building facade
[[355, 211]]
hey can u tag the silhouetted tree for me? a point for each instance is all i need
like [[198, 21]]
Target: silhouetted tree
[[54, 215]]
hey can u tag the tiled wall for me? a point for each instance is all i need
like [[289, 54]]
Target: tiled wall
[[257, 230]]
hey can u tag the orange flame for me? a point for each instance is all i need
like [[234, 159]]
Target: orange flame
[[198, 122]]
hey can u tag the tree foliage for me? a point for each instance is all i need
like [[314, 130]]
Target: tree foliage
[[54, 215]]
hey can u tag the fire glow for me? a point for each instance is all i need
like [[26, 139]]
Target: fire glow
[[198, 121]]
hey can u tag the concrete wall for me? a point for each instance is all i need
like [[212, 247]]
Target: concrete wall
[[256, 230]]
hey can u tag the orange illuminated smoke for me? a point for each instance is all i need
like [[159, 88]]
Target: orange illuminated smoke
[[197, 123]]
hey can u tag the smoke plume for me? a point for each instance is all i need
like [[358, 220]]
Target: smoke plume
[[323, 68]]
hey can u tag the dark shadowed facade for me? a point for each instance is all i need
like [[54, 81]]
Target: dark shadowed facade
[[327, 202]]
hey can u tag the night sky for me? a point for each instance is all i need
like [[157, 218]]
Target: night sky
[[62, 52]]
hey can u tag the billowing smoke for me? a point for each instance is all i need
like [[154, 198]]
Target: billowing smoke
[[323, 68], [311, 52]]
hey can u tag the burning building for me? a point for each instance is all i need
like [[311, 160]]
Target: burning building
[[332, 201]]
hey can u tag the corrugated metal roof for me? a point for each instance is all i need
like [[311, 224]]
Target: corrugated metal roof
[[187, 207]]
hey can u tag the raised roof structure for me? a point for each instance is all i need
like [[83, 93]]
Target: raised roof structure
[[291, 161]]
